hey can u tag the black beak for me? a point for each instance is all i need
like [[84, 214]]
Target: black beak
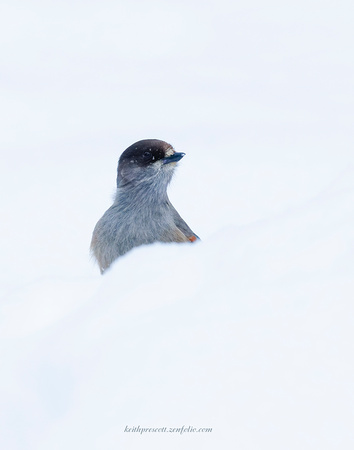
[[173, 158]]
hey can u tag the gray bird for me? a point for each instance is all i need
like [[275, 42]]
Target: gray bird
[[142, 212]]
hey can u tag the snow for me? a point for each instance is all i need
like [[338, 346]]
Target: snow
[[249, 331]]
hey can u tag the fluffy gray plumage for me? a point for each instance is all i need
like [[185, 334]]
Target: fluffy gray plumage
[[142, 212]]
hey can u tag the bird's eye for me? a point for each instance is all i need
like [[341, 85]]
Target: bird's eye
[[147, 156]]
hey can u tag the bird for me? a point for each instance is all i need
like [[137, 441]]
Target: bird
[[141, 212]]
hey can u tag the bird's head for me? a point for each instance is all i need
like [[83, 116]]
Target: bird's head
[[150, 160]]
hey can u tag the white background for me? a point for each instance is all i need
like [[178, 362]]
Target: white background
[[250, 331]]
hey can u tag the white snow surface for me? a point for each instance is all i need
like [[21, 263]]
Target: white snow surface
[[248, 332]]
